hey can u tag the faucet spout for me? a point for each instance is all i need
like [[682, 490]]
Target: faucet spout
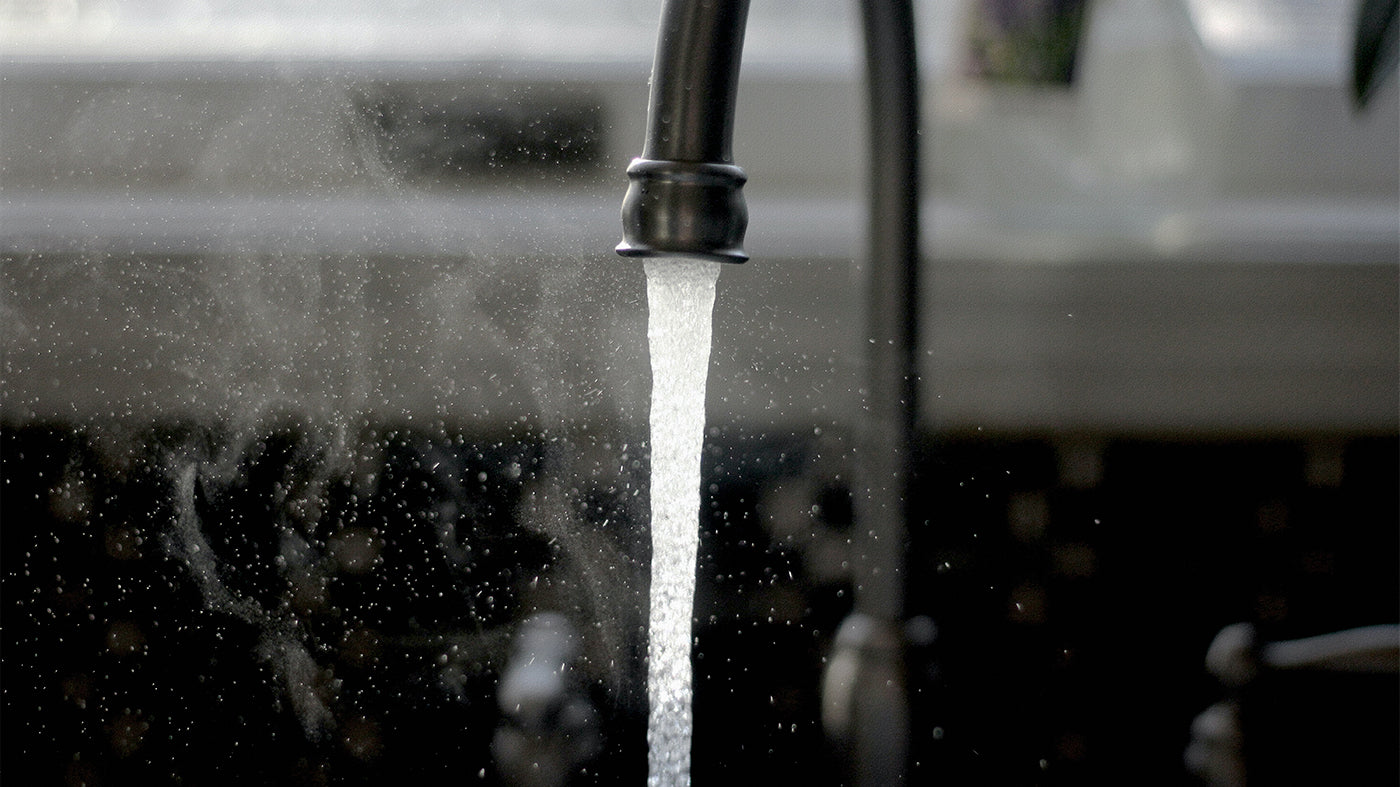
[[684, 200], [685, 195]]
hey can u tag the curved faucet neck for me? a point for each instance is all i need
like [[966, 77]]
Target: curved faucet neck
[[685, 195], [694, 82]]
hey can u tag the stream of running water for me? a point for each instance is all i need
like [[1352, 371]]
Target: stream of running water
[[680, 299]]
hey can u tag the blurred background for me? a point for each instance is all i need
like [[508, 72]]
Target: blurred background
[[324, 395]]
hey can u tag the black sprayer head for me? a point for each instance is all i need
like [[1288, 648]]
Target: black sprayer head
[[685, 197], [684, 209]]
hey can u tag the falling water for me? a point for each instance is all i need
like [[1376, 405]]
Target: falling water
[[680, 296]]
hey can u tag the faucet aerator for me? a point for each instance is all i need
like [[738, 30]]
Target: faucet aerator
[[684, 209]]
